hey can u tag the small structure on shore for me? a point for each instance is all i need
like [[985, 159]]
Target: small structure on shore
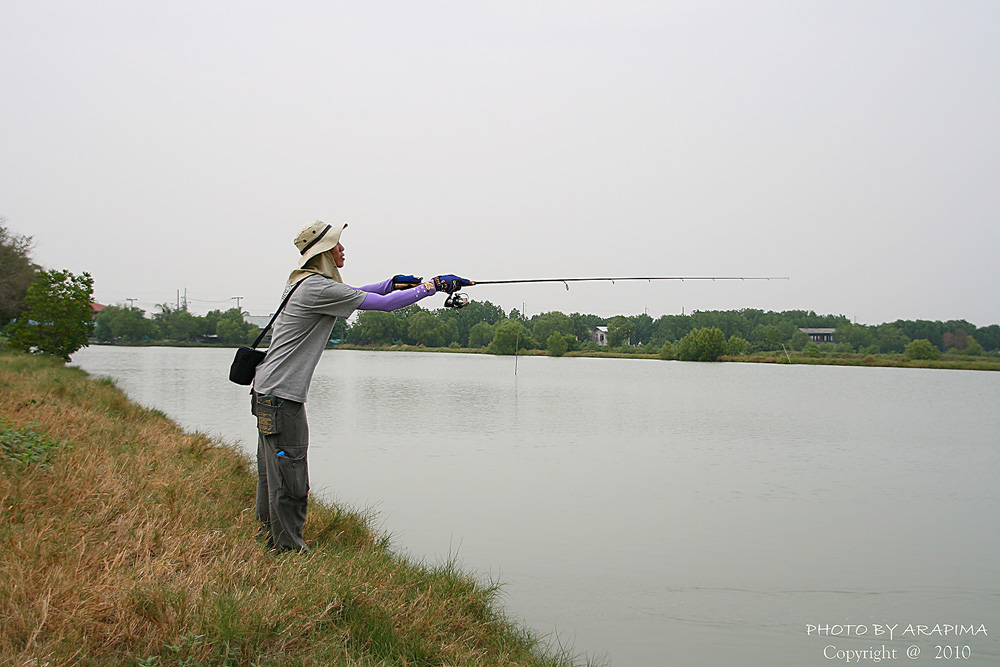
[[819, 334]]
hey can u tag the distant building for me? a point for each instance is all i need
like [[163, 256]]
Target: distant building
[[259, 321], [819, 335], [599, 335]]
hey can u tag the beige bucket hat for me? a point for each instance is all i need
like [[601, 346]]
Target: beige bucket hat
[[317, 237]]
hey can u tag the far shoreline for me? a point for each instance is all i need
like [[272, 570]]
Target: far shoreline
[[986, 363]]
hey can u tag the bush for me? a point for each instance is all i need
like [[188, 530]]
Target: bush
[[667, 352], [705, 344], [737, 346], [922, 349], [510, 336], [557, 344]]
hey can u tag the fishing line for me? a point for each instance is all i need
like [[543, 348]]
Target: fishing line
[[457, 300]]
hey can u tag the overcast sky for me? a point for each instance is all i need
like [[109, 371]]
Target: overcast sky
[[853, 146]]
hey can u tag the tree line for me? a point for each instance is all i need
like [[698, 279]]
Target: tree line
[[49, 311], [485, 325], [123, 324]]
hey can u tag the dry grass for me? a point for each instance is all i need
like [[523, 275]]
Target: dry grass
[[132, 542]]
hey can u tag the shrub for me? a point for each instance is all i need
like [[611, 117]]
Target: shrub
[[922, 349], [557, 344], [705, 344]]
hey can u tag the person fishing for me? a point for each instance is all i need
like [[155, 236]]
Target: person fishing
[[281, 383]]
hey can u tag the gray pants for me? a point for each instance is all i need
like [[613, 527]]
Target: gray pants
[[282, 470]]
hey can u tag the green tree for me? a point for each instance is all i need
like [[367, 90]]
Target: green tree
[[511, 335], [232, 328], [544, 325], [57, 314], [737, 346], [989, 337], [667, 351], [473, 314], [922, 349], [620, 329], [115, 323], [890, 338], [705, 344], [558, 344], [857, 335], [17, 272], [799, 340], [974, 349], [481, 334], [374, 327], [423, 328], [176, 324]]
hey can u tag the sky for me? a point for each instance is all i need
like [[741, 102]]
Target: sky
[[850, 145]]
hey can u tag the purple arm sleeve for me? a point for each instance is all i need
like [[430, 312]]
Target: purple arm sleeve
[[383, 287], [395, 300]]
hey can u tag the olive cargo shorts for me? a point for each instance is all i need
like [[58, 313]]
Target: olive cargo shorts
[[282, 470]]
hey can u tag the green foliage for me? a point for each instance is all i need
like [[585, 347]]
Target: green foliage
[[544, 325], [375, 327], [890, 338], [27, 446], [123, 324], [973, 348], [620, 330], [57, 315], [667, 351], [177, 324], [233, 328], [705, 344], [737, 346], [511, 335], [989, 337], [17, 272], [856, 336], [922, 349], [481, 334], [558, 344], [423, 328], [799, 340]]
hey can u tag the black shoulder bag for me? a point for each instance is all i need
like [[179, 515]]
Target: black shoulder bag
[[245, 364]]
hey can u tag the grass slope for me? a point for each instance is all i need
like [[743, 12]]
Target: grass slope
[[124, 540]]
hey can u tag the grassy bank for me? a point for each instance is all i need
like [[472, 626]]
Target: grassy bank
[[126, 541], [879, 360]]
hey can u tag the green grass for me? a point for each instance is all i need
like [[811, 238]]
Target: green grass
[[953, 362], [127, 541]]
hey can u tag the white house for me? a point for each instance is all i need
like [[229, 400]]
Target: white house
[[599, 335]]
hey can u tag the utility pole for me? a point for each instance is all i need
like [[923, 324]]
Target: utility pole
[[130, 302], [237, 301]]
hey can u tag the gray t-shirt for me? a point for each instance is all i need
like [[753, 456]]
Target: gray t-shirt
[[301, 332]]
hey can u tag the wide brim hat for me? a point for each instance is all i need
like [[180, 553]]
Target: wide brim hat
[[316, 238]]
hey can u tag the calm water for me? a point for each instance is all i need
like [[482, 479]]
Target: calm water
[[659, 513]]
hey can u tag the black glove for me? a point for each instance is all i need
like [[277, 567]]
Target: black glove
[[405, 282], [449, 283]]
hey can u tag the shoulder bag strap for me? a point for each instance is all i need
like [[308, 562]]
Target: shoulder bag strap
[[263, 332]]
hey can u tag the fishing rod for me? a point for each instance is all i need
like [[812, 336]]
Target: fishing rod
[[458, 300]]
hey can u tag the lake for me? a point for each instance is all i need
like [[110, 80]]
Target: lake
[[659, 513]]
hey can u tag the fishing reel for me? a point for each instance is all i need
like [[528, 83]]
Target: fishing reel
[[456, 300]]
